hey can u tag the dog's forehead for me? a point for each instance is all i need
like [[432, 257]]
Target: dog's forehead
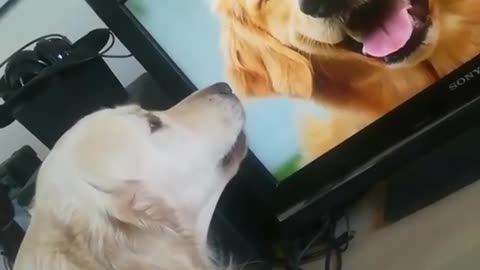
[[108, 143], [112, 124], [109, 130]]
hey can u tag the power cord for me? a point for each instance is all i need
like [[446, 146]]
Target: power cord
[[6, 263], [110, 46], [327, 244], [303, 254]]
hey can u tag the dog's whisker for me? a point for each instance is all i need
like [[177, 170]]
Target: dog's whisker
[[243, 265]]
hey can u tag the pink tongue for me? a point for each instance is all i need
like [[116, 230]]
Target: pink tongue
[[391, 36]]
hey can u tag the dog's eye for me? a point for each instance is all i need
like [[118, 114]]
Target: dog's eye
[[153, 122]]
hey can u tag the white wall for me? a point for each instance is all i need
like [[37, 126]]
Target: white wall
[[29, 19]]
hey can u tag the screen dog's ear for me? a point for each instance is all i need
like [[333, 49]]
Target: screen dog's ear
[[135, 205], [259, 65]]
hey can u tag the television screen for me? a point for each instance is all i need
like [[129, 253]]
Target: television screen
[[313, 73]]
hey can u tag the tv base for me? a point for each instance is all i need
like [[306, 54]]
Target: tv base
[[435, 175]]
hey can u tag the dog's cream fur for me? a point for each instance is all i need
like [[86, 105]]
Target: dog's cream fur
[[129, 189]]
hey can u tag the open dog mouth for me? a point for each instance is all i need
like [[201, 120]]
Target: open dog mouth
[[238, 150], [388, 30]]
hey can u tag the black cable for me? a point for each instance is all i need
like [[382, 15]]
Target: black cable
[[110, 46], [6, 262], [315, 238], [332, 245], [341, 241], [338, 244], [338, 256], [7, 226], [346, 237], [117, 56], [19, 192], [333, 251], [292, 251]]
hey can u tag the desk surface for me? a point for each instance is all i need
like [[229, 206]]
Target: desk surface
[[443, 236]]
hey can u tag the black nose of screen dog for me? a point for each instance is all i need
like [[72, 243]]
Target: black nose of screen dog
[[322, 8]]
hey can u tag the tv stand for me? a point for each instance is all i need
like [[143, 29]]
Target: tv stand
[[438, 173]]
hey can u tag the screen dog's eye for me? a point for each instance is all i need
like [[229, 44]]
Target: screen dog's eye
[[154, 122]]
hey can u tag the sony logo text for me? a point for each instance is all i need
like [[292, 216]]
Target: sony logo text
[[464, 79]]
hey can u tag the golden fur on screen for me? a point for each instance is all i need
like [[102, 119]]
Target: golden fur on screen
[[272, 48]]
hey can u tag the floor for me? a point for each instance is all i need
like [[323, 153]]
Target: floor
[[443, 236]]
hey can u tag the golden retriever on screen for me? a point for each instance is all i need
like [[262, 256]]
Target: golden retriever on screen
[[129, 189], [360, 58]]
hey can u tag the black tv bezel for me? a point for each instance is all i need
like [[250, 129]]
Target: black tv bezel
[[333, 178]]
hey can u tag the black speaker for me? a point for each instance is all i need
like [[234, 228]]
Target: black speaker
[[50, 88]]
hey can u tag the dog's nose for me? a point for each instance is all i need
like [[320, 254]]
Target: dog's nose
[[321, 8], [220, 88]]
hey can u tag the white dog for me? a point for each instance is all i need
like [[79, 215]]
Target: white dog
[[129, 189]]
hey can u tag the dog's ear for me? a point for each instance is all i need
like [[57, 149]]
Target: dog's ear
[[135, 205], [259, 65]]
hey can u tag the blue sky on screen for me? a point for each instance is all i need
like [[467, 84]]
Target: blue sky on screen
[[272, 127]]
